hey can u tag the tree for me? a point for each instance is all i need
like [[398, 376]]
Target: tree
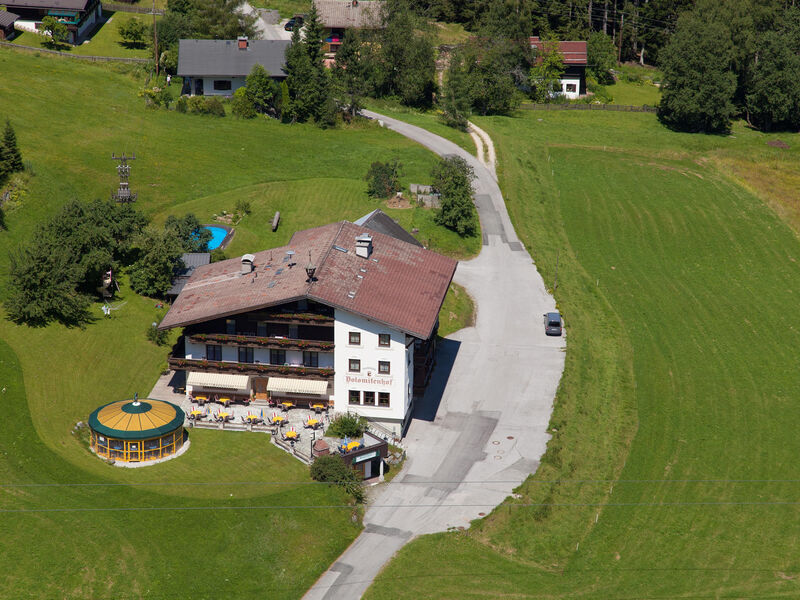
[[160, 254], [261, 89], [57, 31], [699, 82], [404, 62], [773, 91], [221, 20], [602, 57], [132, 31], [10, 156], [189, 233], [285, 105], [452, 178], [496, 71], [172, 27], [383, 178], [546, 72], [456, 100], [332, 468], [351, 71], [300, 80]]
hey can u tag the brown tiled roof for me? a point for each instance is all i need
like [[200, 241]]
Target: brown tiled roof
[[344, 14], [574, 53], [400, 285]]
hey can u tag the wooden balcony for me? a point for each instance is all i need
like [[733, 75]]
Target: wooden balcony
[[216, 366], [298, 318], [273, 343]]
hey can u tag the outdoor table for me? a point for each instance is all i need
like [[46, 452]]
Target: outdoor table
[[278, 419], [287, 405], [313, 423], [253, 418], [318, 407], [196, 413], [291, 434], [201, 399], [353, 446], [224, 416], [225, 401]]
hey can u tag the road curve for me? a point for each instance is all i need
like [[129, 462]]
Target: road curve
[[481, 428]]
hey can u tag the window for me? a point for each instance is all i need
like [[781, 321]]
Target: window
[[277, 357], [369, 398], [570, 88], [230, 326], [355, 365], [222, 85], [383, 367], [383, 399], [310, 359], [355, 397], [355, 338], [214, 352], [293, 332], [245, 355], [261, 329], [384, 340]]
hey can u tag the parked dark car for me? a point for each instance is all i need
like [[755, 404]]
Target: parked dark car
[[295, 20], [552, 323]]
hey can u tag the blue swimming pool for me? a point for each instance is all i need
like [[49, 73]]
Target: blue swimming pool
[[217, 235]]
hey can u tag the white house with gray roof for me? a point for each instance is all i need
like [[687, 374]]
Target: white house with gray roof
[[220, 67]]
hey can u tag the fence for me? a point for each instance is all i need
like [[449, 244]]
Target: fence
[[80, 56], [615, 107], [143, 10]]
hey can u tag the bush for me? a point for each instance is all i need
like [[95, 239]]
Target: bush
[[242, 105], [383, 179], [182, 104], [452, 178], [347, 425], [332, 469], [218, 254], [156, 96], [243, 206], [156, 335], [202, 105]]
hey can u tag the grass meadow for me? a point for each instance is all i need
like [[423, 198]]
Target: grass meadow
[[105, 41], [672, 468], [233, 516]]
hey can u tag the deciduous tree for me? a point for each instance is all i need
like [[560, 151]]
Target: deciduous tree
[[132, 31], [452, 178]]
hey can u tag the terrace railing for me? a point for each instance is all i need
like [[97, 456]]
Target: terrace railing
[[261, 342], [215, 366]]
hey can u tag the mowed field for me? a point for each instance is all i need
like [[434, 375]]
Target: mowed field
[[672, 470], [233, 516]]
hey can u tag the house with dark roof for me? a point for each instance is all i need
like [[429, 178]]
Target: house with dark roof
[[7, 20], [573, 79], [189, 262], [337, 16], [79, 16], [220, 67], [343, 316]]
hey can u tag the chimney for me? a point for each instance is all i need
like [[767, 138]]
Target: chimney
[[243, 42], [248, 261], [364, 245]]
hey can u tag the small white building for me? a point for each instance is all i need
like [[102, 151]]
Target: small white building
[[573, 80], [343, 316], [220, 67]]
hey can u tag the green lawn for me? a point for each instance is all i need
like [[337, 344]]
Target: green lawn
[[679, 288], [287, 8], [196, 541], [426, 119], [634, 94], [458, 311], [105, 41]]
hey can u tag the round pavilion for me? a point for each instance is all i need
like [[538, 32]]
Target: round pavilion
[[137, 430]]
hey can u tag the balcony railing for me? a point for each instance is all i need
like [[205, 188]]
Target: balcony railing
[[298, 318], [218, 366], [261, 342]]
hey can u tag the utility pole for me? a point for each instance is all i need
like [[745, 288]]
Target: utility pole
[[123, 194], [155, 36]]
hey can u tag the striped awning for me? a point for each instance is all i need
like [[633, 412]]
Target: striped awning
[[297, 386], [222, 381]]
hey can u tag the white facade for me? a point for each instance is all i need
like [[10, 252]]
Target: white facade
[[365, 380], [215, 86], [571, 87]]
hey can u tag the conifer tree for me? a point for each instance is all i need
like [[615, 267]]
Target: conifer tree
[[10, 156]]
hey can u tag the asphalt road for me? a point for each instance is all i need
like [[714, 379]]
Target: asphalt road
[[482, 426]]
